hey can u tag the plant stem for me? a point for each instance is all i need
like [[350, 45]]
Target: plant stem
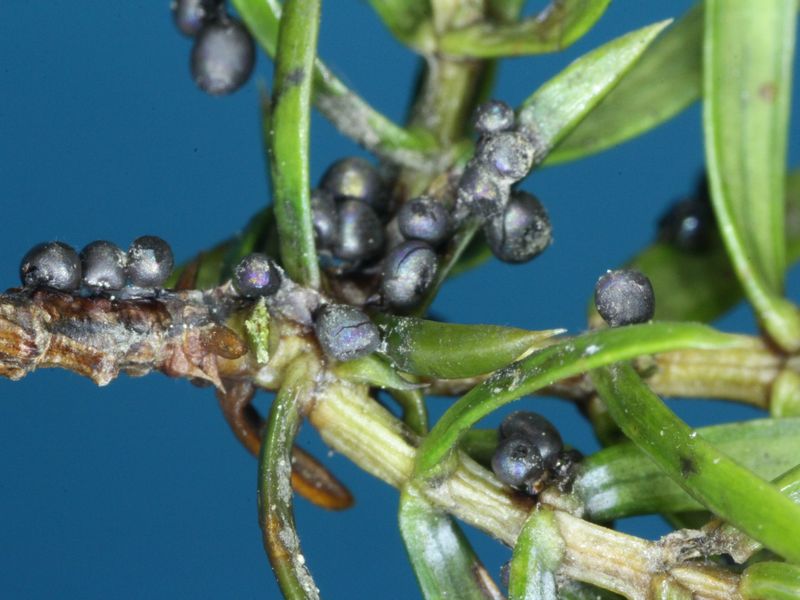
[[274, 492], [353, 424]]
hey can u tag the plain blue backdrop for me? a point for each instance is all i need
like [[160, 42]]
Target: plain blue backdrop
[[138, 489]]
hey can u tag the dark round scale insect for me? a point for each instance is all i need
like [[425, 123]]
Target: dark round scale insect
[[688, 225], [507, 155], [537, 430], [103, 265], [191, 15], [479, 192], [517, 462], [324, 218], [223, 57], [149, 263], [256, 275], [408, 272], [360, 233], [345, 332], [521, 232], [355, 177], [624, 297], [424, 219], [493, 116], [53, 264]]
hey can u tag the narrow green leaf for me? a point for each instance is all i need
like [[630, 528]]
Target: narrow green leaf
[[408, 20], [559, 25], [537, 556], [289, 139], [560, 104], [729, 490], [450, 351], [375, 372], [202, 272], [474, 255], [748, 52], [621, 481], [340, 105], [444, 563], [275, 512], [457, 246], [664, 82], [740, 546], [770, 581], [415, 412], [547, 366], [480, 444], [793, 215]]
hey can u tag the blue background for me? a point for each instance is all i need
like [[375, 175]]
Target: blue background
[[139, 489]]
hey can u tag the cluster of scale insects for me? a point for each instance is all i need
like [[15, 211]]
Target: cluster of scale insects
[[359, 233]]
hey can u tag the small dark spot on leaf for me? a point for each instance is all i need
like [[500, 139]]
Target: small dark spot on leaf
[[767, 91], [688, 468], [295, 77]]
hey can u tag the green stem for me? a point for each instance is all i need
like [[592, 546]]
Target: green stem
[[349, 113], [275, 492], [354, 425], [289, 139]]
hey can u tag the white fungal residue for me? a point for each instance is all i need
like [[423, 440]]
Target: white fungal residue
[[591, 349]]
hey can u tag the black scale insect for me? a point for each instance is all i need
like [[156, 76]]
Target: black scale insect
[[101, 267], [530, 452], [624, 297], [223, 54]]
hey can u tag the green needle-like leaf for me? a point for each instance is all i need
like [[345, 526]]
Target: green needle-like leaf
[[444, 563], [408, 20], [622, 481], [666, 80], [375, 372], [740, 546], [289, 139], [340, 105], [729, 490], [480, 444], [748, 52], [547, 366], [275, 491], [770, 581], [415, 412], [450, 351], [561, 103], [559, 25], [537, 556]]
